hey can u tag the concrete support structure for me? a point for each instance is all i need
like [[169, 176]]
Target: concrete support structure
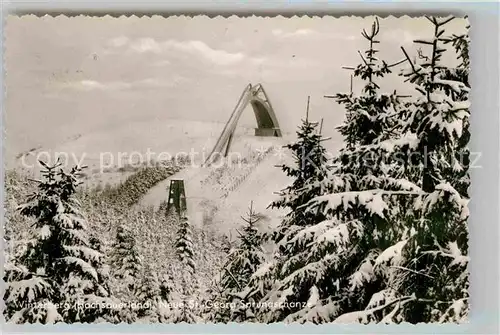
[[177, 196], [267, 122]]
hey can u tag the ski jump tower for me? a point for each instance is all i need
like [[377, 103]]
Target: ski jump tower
[[177, 196], [267, 123]]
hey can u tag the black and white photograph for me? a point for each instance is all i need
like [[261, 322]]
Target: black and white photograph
[[215, 170]]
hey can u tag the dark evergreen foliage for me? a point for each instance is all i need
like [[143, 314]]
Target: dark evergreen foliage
[[59, 277]]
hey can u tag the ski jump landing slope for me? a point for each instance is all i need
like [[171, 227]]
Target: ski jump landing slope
[[239, 170], [219, 194]]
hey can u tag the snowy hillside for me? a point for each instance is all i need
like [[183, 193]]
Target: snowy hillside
[[128, 144], [219, 194], [376, 225]]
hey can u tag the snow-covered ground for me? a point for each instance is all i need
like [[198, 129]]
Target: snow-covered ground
[[217, 196], [127, 142]]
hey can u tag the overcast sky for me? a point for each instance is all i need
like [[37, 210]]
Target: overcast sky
[[68, 76]]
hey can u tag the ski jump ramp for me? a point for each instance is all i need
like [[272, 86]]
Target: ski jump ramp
[[267, 122], [204, 192]]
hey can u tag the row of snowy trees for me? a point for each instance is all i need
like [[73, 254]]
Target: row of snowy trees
[[378, 233], [64, 273]]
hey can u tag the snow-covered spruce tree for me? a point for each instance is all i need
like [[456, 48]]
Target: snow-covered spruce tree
[[183, 305], [320, 273], [243, 260], [408, 224], [126, 271], [104, 273], [415, 240], [147, 295], [434, 256], [162, 305], [308, 170], [460, 168], [366, 117], [241, 264], [215, 306], [184, 244], [125, 258], [58, 278]]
